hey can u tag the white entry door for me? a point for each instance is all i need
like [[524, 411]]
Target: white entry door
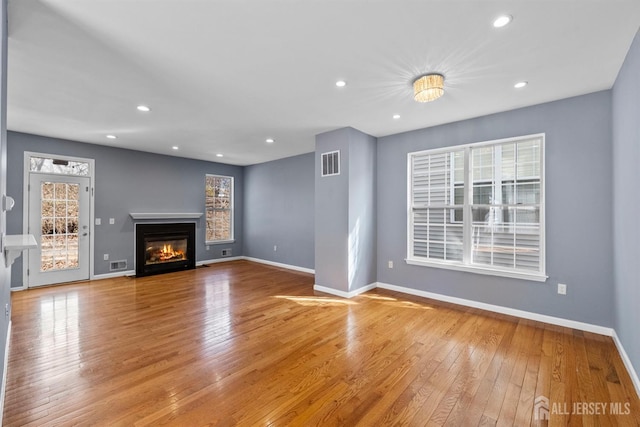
[[59, 220]]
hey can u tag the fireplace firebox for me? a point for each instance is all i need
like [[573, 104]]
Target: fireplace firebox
[[163, 248]]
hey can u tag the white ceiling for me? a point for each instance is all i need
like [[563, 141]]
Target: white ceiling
[[221, 76]]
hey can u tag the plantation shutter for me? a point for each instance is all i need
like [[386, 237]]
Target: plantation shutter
[[506, 181], [479, 206], [436, 232]]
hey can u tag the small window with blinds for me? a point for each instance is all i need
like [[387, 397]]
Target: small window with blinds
[[479, 207], [330, 163]]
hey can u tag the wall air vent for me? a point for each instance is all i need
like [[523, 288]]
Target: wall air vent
[[118, 265], [226, 252], [330, 163]]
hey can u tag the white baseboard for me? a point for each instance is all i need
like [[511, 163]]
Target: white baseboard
[[278, 264], [504, 310], [217, 260], [112, 275], [344, 294], [4, 372], [21, 288], [627, 363]]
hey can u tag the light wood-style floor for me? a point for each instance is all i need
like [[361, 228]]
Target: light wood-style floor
[[246, 344]]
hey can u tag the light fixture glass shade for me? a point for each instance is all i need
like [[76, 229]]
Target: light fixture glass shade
[[428, 88]]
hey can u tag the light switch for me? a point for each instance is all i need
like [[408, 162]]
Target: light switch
[[112, 221], [98, 221]]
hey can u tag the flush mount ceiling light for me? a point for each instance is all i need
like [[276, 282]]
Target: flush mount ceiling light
[[111, 136], [270, 140], [503, 20], [143, 108], [341, 83], [520, 85], [175, 147], [219, 155], [428, 87], [396, 116]]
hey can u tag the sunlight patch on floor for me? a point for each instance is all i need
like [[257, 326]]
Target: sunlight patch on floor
[[317, 300], [395, 302]]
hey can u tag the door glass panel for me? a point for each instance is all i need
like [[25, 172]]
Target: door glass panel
[[59, 219], [57, 166]]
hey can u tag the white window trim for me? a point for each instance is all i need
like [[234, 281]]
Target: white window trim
[[220, 242], [493, 271], [465, 265], [232, 210]]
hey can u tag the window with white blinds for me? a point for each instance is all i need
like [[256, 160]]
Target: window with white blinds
[[479, 207]]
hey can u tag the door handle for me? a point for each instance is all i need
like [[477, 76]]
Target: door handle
[[84, 234]]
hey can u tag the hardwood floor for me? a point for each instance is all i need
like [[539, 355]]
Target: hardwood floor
[[241, 343]]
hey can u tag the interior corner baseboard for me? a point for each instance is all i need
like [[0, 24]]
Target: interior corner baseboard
[[596, 329], [344, 294], [278, 264], [4, 372], [218, 260], [16, 289], [627, 362], [112, 275]]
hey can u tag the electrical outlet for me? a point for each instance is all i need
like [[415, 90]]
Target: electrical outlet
[[98, 221], [562, 289], [275, 248], [390, 264], [6, 310], [112, 220], [207, 247], [106, 257]]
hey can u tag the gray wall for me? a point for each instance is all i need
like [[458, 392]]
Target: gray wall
[[362, 209], [5, 297], [127, 181], [279, 197], [579, 226], [626, 202], [345, 226], [332, 214]]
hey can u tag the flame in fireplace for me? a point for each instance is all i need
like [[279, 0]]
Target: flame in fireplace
[[164, 253], [168, 253]]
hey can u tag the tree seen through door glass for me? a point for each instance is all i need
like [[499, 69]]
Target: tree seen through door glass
[[60, 226]]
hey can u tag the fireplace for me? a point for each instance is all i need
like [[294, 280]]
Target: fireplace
[[162, 248]]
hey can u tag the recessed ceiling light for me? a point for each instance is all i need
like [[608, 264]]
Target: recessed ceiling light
[[143, 108], [219, 155], [175, 147], [520, 85], [396, 116], [270, 140], [111, 136], [502, 20], [341, 83]]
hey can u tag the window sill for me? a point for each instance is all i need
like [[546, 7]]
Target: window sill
[[219, 242], [537, 277]]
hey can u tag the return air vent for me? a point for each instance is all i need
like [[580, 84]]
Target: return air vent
[[331, 163], [226, 252], [118, 265]]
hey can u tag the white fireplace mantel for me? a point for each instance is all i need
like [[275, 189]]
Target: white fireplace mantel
[[165, 215]]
